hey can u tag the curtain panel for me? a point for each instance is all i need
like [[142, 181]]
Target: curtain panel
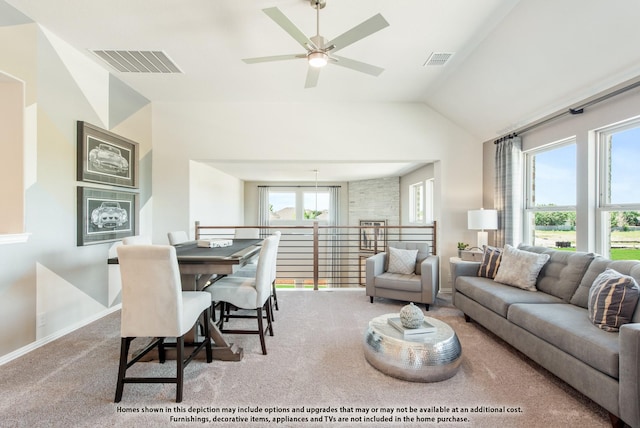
[[263, 210], [508, 191]]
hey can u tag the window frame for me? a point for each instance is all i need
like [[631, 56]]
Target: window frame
[[299, 192], [529, 208], [604, 207], [416, 210], [426, 205]]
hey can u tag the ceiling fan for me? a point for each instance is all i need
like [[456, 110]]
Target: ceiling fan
[[319, 51]]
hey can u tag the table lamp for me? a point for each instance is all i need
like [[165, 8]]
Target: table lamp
[[480, 220]]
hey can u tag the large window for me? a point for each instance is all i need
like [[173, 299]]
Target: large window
[[298, 205], [550, 211], [619, 195], [421, 202]]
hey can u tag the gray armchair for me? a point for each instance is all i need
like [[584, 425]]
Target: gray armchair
[[420, 286]]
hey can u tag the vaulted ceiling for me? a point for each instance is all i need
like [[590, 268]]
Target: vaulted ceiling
[[513, 62]]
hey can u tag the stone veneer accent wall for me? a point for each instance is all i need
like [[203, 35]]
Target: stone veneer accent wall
[[376, 199]]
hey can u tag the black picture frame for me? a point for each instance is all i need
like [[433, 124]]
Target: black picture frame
[[106, 158], [106, 215], [373, 235]]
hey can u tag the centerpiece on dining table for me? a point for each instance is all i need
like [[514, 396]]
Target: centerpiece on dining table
[[214, 243]]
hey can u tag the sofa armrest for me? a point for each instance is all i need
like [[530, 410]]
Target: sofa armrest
[[629, 401], [374, 266], [463, 268], [430, 278]]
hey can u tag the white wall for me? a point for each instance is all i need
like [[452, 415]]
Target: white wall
[[215, 198], [281, 131]]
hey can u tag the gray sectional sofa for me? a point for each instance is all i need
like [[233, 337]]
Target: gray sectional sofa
[[551, 326]]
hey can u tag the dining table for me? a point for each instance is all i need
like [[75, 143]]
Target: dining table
[[197, 266]]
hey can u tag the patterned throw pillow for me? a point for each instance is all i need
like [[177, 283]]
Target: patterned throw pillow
[[402, 261], [520, 268], [612, 300], [490, 262]]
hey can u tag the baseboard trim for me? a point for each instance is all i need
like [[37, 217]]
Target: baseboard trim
[[41, 342]]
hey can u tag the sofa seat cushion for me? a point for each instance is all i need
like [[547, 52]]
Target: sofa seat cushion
[[399, 281], [568, 328], [497, 297]]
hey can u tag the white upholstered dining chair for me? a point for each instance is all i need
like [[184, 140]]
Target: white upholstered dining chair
[[136, 240], [177, 237], [249, 270], [246, 233], [252, 293], [154, 305]]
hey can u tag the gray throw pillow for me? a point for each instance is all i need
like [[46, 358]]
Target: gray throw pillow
[[402, 261], [520, 268], [612, 300]]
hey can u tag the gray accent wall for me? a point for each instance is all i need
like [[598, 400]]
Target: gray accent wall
[[49, 285], [375, 199]]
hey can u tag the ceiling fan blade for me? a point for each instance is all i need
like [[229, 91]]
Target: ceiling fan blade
[[368, 27], [313, 73], [288, 26], [362, 67], [273, 58]]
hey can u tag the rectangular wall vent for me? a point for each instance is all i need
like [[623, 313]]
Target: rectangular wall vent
[[138, 61], [438, 58]]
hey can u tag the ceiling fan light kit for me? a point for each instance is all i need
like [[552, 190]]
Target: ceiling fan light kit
[[317, 48], [318, 59]]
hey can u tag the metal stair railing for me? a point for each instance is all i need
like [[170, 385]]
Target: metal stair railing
[[323, 256]]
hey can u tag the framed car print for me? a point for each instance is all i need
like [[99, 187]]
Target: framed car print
[[106, 215], [106, 158]]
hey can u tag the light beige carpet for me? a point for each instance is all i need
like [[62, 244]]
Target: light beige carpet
[[315, 369]]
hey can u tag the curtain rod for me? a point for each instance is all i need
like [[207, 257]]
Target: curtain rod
[[571, 111], [313, 186]]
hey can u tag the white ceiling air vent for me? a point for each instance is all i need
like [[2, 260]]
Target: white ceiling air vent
[[438, 58], [138, 61]]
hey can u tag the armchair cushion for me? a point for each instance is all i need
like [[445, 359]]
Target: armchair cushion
[[402, 261], [399, 281]]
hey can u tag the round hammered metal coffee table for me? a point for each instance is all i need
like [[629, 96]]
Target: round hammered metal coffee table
[[429, 357]]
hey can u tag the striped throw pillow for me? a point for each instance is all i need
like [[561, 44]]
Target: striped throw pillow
[[490, 262], [612, 300]]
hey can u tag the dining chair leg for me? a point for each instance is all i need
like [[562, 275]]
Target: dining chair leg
[[162, 355], [261, 330], [269, 309], [206, 333], [122, 370], [179, 368], [275, 295]]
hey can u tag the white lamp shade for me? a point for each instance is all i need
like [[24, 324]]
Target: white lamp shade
[[482, 219]]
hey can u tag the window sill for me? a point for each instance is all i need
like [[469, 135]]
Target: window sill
[[14, 238]]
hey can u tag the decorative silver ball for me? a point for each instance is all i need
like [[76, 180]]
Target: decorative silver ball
[[411, 316]]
